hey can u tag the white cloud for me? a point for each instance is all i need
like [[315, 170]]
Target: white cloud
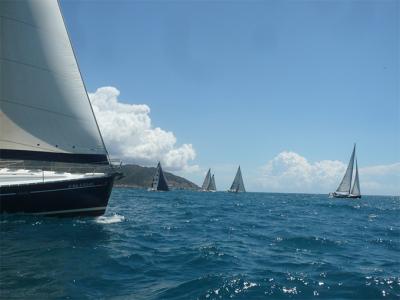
[[129, 134], [381, 179], [291, 172], [381, 170]]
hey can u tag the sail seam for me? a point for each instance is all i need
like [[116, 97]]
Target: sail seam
[[60, 74], [27, 145], [19, 21], [42, 109], [52, 150]]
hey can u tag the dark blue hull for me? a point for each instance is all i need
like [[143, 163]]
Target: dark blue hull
[[77, 197]]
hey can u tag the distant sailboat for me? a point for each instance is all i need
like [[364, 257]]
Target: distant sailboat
[[159, 182], [212, 187], [209, 183], [237, 185], [345, 190], [206, 181]]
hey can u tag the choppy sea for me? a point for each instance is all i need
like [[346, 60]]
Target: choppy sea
[[192, 245]]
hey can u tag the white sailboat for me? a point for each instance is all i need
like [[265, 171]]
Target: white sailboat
[[345, 188], [237, 184], [46, 116], [206, 181], [159, 182], [209, 183]]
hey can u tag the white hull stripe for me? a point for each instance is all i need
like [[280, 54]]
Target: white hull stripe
[[71, 210], [56, 190]]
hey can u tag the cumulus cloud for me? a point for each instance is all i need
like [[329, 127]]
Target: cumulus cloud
[[291, 172], [381, 179], [129, 134], [391, 169]]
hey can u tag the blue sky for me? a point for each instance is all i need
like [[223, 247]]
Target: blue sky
[[242, 81]]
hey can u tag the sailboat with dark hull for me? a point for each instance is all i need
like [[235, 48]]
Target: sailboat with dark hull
[[237, 184], [159, 182], [345, 188], [46, 119]]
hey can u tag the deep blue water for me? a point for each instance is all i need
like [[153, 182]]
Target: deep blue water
[[189, 245]]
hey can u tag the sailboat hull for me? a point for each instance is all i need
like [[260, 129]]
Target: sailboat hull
[[78, 197], [335, 195]]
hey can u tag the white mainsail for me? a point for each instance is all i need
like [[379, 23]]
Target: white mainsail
[[238, 185], [345, 185], [355, 191], [45, 112], [207, 180]]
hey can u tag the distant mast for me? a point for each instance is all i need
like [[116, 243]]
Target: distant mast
[[237, 185], [159, 182]]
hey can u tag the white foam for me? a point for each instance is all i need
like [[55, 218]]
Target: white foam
[[110, 219]]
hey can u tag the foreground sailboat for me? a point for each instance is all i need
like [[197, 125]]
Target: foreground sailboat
[[237, 184], [159, 182], [209, 183], [46, 119], [345, 189]]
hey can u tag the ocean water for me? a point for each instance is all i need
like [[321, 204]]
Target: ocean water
[[191, 245]]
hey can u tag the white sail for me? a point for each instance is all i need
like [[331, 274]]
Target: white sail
[[211, 186], [238, 185], [345, 185], [355, 191], [207, 180], [44, 107]]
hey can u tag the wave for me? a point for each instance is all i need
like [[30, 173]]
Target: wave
[[110, 219], [307, 242]]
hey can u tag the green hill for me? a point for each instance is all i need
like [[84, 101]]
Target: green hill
[[140, 177]]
